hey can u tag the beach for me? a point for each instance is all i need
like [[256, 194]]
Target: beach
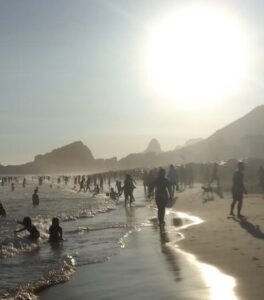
[[150, 266], [119, 252]]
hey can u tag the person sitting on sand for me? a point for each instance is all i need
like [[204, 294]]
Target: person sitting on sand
[[238, 189], [2, 210], [113, 195], [162, 194], [55, 231], [35, 198], [27, 223], [96, 190]]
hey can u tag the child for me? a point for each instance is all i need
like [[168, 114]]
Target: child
[[34, 233], [55, 231]]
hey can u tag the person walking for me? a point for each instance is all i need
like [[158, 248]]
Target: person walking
[[238, 189], [162, 194]]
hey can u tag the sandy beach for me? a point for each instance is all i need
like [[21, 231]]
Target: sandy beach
[[151, 264], [235, 246]]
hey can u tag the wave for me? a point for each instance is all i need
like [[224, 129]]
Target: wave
[[29, 291]]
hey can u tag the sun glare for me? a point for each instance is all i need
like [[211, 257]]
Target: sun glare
[[198, 54]]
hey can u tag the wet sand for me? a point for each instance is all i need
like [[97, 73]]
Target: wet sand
[[153, 266], [233, 245]]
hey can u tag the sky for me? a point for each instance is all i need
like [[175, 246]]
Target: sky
[[77, 70]]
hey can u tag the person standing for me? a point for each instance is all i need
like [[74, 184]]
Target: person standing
[[238, 189], [162, 194], [35, 198], [173, 178], [128, 190]]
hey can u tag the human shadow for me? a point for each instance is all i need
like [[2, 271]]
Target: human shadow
[[168, 251], [252, 229]]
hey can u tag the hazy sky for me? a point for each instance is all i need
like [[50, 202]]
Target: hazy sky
[[75, 70]]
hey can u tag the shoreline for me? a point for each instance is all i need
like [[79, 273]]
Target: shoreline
[[200, 285], [233, 245], [169, 262]]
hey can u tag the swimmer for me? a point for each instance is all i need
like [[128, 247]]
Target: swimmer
[[55, 231], [27, 223]]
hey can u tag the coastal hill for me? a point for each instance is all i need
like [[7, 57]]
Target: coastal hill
[[192, 141], [240, 139], [72, 158], [153, 146]]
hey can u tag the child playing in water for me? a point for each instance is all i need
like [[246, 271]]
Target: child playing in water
[[27, 223], [55, 231]]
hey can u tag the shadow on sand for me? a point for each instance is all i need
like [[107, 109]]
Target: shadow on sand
[[252, 229]]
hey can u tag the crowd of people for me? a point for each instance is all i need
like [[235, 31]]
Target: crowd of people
[[159, 183]]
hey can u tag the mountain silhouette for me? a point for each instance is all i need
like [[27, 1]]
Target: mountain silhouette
[[72, 158], [241, 139], [153, 146]]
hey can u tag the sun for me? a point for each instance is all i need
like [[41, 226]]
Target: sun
[[198, 54]]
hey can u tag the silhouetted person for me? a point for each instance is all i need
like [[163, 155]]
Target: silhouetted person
[[162, 194], [55, 231], [88, 182], [238, 189], [2, 210], [128, 189], [215, 176], [82, 184], [24, 183], [151, 183], [119, 187], [173, 178], [12, 186], [113, 195], [96, 190], [33, 232], [101, 181], [35, 198], [145, 179]]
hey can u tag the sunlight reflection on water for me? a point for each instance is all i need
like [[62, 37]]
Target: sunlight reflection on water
[[221, 285]]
